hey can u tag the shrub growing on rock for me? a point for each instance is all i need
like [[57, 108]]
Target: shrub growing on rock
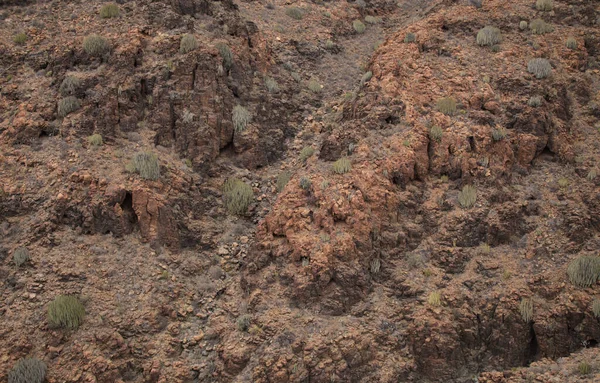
[[237, 196], [498, 134], [372, 19], [110, 10], [240, 118], [526, 309], [489, 36], [535, 101], [544, 5], [446, 105], [314, 85], [410, 38], [146, 165], [68, 105], [584, 271], [69, 86], [584, 368], [20, 38], [95, 140], [306, 152], [95, 45], [243, 322], [271, 85], [21, 256], [467, 196], [65, 311], [539, 67], [523, 25], [29, 370], [375, 265], [434, 298], [282, 179], [358, 26], [571, 43], [226, 55], [295, 13], [540, 27], [436, 133], [342, 166], [188, 43]]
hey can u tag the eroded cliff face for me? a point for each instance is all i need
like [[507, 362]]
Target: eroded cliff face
[[373, 274]]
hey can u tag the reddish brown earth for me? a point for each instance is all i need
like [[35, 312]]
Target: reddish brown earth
[[335, 277]]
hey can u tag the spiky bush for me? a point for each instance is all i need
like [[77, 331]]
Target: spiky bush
[[241, 118], [29, 370], [544, 5], [467, 196], [329, 45], [305, 183], [446, 105], [584, 271], [237, 196], [526, 309], [342, 165], [358, 26], [592, 174], [271, 85], [375, 265], [188, 43], [535, 101], [539, 67], [226, 55], [540, 27], [523, 25], [295, 13], [571, 43], [95, 45], [498, 134], [65, 311], [489, 36], [68, 105], [436, 133], [434, 298], [282, 179], [110, 10], [306, 152], [243, 322], [69, 86], [146, 165], [584, 368], [21, 256], [95, 140], [410, 38], [314, 85], [596, 307], [20, 38]]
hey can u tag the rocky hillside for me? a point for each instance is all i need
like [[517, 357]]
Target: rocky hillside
[[295, 191]]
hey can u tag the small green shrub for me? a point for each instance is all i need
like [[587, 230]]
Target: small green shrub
[[366, 77], [592, 174], [95, 140], [305, 183], [146, 165], [488, 36], [372, 19], [20, 38], [584, 368], [241, 118], [226, 55], [271, 85], [484, 248], [306, 153], [498, 134], [410, 38], [596, 307], [69, 86], [282, 179], [523, 25], [496, 48], [436, 133], [544, 5], [29, 370], [21, 256], [584, 271], [329, 45], [535, 101], [95, 45], [467, 196], [65, 311], [68, 105], [434, 298], [342, 165], [540, 27], [296, 76], [295, 13], [571, 43], [243, 322], [375, 265], [563, 183], [314, 85], [526, 309], [358, 26], [110, 10], [539, 67], [237, 196], [446, 105], [188, 43]]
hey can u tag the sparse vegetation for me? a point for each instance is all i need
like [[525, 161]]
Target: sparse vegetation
[[146, 165], [372, 19], [68, 105], [544, 5], [488, 36], [571, 43], [366, 77], [526, 309], [592, 174], [584, 271], [21, 256], [584, 368], [306, 153], [596, 307], [305, 183], [539, 67], [237, 196], [243, 322], [66, 312], [188, 43], [484, 248], [535, 101], [467, 196], [375, 265], [29, 370], [226, 55], [358, 26], [95, 45], [20, 38], [109, 11], [95, 140], [295, 13], [434, 298], [271, 85], [314, 85], [69, 86], [329, 45], [241, 118], [282, 179], [410, 38], [446, 105], [523, 25], [342, 165], [540, 27], [563, 183], [436, 133], [498, 134]]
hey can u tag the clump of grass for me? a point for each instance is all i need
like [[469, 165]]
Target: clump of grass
[[146, 165], [375, 265], [434, 298], [188, 43], [484, 248], [526, 309], [110, 10], [329, 45], [69, 86], [540, 27], [296, 76], [436, 133], [372, 19], [539, 67], [596, 307], [446, 105], [271, 85], [563, 183], [535, 101], [226, 55], [243, 322], [366, 77], [95, 45], [282, 179], [467, 196], [489, 36], [305, 183], [358, 26], [20, 38], [498, 134], [523, 25], [584, 368], [584, 271], [21, 256], [592, 174], [496, 48], [314, 85], [306, 153], [571, 43], [29, 370], [544, 5], [95, 140], [241, 118], [410, 38], [68, 105], [342, 166], [237, 196], [295, 13], [65, 311]]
